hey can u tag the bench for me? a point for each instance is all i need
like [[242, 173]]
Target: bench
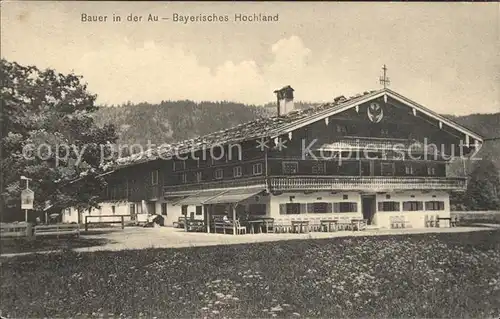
[[228, 225], [117, 219], [58, 229]]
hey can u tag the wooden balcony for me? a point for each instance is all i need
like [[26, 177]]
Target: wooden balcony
[[362, 183], [179, 190]]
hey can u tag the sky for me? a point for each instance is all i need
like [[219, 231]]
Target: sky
[[445, 56]]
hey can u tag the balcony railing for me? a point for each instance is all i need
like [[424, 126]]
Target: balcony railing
[[379, 183], [189, 188]]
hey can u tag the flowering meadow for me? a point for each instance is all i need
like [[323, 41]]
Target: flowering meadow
[[428, 275]]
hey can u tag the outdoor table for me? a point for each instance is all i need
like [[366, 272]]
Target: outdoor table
[[444, 218], [254, 223], [329, 224], [303, 224]]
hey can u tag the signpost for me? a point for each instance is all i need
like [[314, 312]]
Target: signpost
[[27, 198]]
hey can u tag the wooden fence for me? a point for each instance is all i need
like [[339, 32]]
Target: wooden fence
[[108, 219], [57, 229], [15, 230]]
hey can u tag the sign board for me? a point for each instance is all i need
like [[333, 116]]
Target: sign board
[[27, 199]]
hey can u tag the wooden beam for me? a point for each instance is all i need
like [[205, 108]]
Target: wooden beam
[[234, 218], [206, 213]]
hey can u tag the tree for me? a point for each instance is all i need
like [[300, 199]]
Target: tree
[[483, 187], [49, 135]]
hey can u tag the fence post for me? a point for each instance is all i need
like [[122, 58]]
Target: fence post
[[86, 225], [123, 222]]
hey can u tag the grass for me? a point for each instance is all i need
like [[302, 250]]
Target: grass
[[47, 243], [429, 275]]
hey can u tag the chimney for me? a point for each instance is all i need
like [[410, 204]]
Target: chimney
[[285, 100]]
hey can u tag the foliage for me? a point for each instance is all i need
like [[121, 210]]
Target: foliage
[[484, 187], [429, 275], [46, 126]]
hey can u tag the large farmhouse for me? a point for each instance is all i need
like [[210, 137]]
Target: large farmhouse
[[376, 156]]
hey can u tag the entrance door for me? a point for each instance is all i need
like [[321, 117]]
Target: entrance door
[[368, 207], [133, 214]]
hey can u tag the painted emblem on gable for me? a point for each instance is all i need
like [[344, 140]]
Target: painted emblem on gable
[[375, 112]]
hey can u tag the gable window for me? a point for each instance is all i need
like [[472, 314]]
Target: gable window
[[237, 171], [257, 169], [409, 169], [179, 165], [290, 167], [388, 206], [154, 177], [413, 206], [434, 205], [431, 170], [199, 176], [387, 169], [219, 173], [341, 129], [319, 168]]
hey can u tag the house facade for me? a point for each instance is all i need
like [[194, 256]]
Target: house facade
[[378, 156]]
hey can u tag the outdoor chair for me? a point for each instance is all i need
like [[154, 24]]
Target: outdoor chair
[[432, 221]]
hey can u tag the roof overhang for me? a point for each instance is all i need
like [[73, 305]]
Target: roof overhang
[[368, 97]]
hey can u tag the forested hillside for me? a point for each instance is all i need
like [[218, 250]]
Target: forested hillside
[[172, 121]]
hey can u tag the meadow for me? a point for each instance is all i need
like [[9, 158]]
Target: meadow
[[446, 275]]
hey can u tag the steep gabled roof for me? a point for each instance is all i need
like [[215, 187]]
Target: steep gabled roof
[[276, 126]]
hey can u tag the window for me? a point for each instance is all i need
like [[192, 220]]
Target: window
[[292, 208], [341, 129], [345, 197], [237, 171], [434, 205], [319, 208], [346, 207], [387, 169], [184, 178], [219, 173], [431, 170], [132, 209], [257, 169], [154, 177], [319, 168], [113, 209], [164, 208], [388, 206], [199, 176], [290, 167], [184, 210], [199, 210], [413, 206], [409, 170]]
